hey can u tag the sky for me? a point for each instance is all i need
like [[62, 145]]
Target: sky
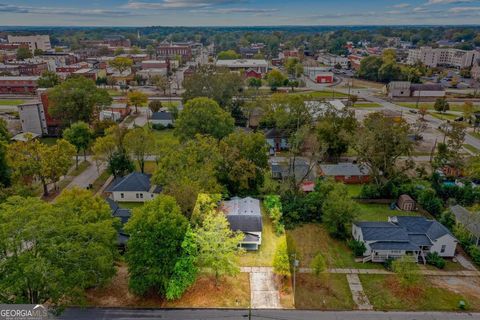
[[237, 12]]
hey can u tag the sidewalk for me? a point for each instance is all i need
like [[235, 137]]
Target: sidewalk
[[465, 273]]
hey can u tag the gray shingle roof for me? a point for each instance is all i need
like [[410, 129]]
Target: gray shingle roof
[[243, 214], [343, 169], [134, 181], [420, 225], [124, 215], [162, 115], [470, 220], [382, 231], [426, 87], [420, 239], [387, 245], [245, 223]]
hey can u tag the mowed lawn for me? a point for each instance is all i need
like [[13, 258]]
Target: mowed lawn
[[429, 105], [384, 293], [325, 94], [325, 292], [264, 256], [310, 239], [11, 102], [380, 212]]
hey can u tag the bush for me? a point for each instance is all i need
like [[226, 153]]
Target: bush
[[429, 201], [435, 260], [474, 253], [158, 126], [370, 191], [318, 264], [387, 264], [357, 247], [281, 261], [274, 209]]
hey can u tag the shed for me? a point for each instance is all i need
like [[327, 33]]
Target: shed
[[406, 203]]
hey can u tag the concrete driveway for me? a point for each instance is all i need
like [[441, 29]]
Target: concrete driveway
[[264, 292]]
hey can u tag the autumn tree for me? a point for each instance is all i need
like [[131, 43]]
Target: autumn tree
[[121, 64], [140, 142], [77, 99], [203, 116], [137, 98], [79, 135], [157, 231], [155, 105]]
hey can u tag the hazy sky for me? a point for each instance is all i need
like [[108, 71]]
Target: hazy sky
[[237, 12]]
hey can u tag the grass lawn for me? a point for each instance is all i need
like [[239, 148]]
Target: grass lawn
[[379, 212], [310, 239], [471, 148], [366, 105], [326, 292], [449, 266], [150, 167], [354, 190], [115, 93], [129, 205], [49, 141], [232, 292], [264, 256], [429, 105], [100, 181], [444, 116], [325, 94], [384, 293], [11, 102]]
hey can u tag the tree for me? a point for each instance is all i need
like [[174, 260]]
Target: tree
[[203, 116], [244, 161], [24, 53], [140, 143], [79, 135], [119, 51], [57, 160], [150, 50], [318, 264], [157, 231], [290, 66], [49, 79], [422, 111], [137, 98], [218, 84], [254, 82], [275, 79], [339, 211], [353, 99], [369, 68], [468, 110], [71, 247], [185, 270], [77, 99], [161, 83], [155, 105], [281, 260], [407, 271], [228, 55], [5, 174], [379, 142], [441, 105], [218, 246], [121, 64], [120, 164]]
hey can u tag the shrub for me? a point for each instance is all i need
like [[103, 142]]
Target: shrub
[[318, 264], [370, 191], [430, 202], [158, 126], [435, 260], [357, 247], [474, 253], [281, 261], [387, 264], [274, 209]]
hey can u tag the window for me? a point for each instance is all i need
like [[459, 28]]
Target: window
[[137, 196], [122, 195], [442, 250], [141, 195]]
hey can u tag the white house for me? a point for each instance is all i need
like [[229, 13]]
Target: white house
[[162, 117], [245, 215], [134, 187], [404, 235]]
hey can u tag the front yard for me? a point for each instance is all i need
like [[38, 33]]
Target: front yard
[[385, 293]]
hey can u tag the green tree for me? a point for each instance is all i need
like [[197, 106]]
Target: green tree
[[275, 79], [119, 51], [441, 105], [281, 260], [228, 55], [137, 98], [49, 79], [155, 105], [185, 270], [203, 116], [218, 246], [254, 83], [339, 211], [244, 162], [5, 174], [24, 53], [161, 83], [79, 135], [157, 231], [140, 142], [369, 68], [467, 109], [318, 264], [77, 99], [120, 164], [150, 50], [121, 64], [53, 252]]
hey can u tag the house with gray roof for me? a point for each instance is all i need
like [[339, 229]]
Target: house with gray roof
[[469, 220], [346, 172], [164, 118], [404, 235], [124, 216], [134, 187], [244, 215]]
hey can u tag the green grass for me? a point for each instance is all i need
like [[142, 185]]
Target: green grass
[[471, 148], [429, 105], [354, 190], [11, 102], [310, 239], [475, 134], [326, 292], [367, 105], [444, 116], [264, 256], [100, 181], [385, 294], [49, 141], [129, 205], [379, 212], [115, 93], [325, 94]]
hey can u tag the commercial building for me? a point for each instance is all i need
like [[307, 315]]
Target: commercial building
[[171, 51], [19, 85], [41, 42], [448, 57], [259, 65], [32, 118], [319, 74], [397, 89], [476, 70], [333, 60]]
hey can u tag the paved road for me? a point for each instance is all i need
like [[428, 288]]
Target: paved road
[[208, 314]]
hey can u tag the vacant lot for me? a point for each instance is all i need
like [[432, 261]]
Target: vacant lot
[[385, 293], [232, 292], [326, 292]]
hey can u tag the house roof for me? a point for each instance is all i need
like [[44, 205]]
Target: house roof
[[382, 231], [134, 181], [344, 169], [275, 133], [420, 225], [243, 214], [390, 245], [124, 215], [246, 223], [162, 115], [420, 239], [470, 220], [426, 87]]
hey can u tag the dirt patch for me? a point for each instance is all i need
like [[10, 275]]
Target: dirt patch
[[408, 293], [468, 286], [232, 292]]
